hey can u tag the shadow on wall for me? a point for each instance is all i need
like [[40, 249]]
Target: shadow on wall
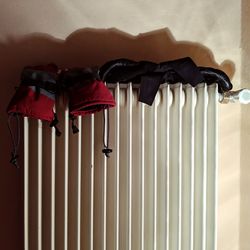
[[84, 47]]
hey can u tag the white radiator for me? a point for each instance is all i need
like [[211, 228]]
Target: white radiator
[[157, 191]]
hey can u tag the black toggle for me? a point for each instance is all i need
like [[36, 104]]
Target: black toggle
[[107, 151], [54, 123], [58, 132], [75, 129], [13, 160]]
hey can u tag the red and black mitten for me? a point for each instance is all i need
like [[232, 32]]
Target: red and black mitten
[[87, 94], [34, 98]]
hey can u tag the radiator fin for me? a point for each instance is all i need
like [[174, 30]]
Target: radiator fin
[[158, 190]]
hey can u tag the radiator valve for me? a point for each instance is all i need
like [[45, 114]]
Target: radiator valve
[[242, 96]]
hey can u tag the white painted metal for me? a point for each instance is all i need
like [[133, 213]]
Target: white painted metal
[[167, 102], [92, 184], [212, 167], [188, 124], [26, 183], [66, 176], [200, 181], [175, 171], [192, 152], [105, 183], [142, 124], [39, 183], [181, 100], [53, 184], [129, 119], [168, 179], [204, 177], [155, 171], [79, 183], [117, 136], [105, 188]]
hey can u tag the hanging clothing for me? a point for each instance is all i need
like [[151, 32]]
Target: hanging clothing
[[150, 75], [34, 98], [87, 95]]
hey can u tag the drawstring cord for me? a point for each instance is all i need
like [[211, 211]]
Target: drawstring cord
[[54, 124], [15, 143], [106, 149]]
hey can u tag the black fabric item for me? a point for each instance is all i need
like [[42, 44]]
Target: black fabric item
[[186, 70], [150, 75], [182, 70], [212, 75], [149, 87], [40, 79], [76, 77], [124, 70]]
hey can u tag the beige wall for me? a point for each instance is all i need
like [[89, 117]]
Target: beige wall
[[33, 32], [245, 135]]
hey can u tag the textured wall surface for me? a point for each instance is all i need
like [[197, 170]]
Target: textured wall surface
[[78, 33]]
